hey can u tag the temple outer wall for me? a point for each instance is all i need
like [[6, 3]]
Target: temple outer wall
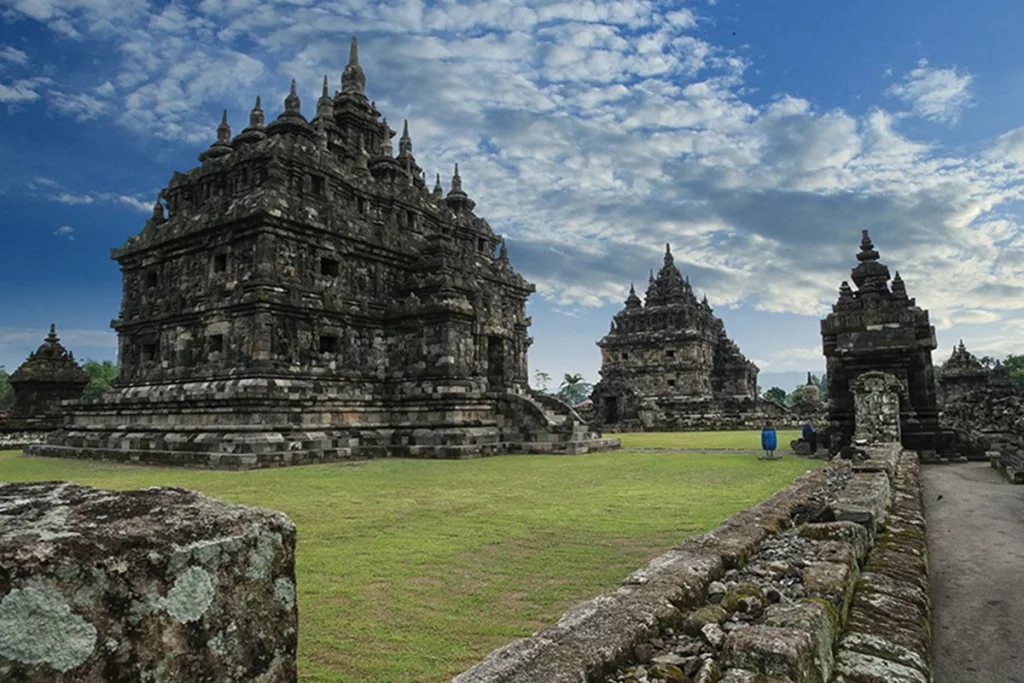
[[867, 609], [155, 585]]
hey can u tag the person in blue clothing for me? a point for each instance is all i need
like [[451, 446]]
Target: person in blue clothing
[[768, 442], [810, 436]]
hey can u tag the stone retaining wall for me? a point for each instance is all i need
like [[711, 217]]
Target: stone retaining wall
[[158, 585], [824, 581]]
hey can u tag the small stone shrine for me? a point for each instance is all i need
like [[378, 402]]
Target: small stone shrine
[[49, 376], [961, 375], [878, 328], [304, 295], [667, 364]]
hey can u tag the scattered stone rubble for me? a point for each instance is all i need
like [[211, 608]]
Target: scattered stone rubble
[[985, 408], [824, 582]]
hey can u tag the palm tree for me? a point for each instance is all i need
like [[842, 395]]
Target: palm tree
[[574, 390]]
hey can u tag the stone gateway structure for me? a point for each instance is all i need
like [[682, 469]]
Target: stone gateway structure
[[878, 328], [41, 383], [304, 295], [667, 363]]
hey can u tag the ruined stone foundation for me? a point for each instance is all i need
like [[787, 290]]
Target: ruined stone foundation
[[159, 585]]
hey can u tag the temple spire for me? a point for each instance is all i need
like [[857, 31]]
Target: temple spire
[[292, 103], [224, 130], [405, 142], [457, 199], [353, 80], [256, 115], [438, 190], [867, 249]]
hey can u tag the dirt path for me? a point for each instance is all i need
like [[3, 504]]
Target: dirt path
[[976, 559]]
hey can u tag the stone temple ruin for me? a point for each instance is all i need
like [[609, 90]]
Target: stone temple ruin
[[880, 329], [49, 376], [984, 407], [667, 363], [303, 295]]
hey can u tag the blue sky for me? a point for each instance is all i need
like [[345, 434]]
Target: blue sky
[[758, 138]]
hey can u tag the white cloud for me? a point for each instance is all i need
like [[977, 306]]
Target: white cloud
[[22, 90], [13, 55], [134, 202], [591, 134], [81, 106], [935, 94], [65, 231]]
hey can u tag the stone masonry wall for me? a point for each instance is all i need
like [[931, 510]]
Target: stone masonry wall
[[825, 581], [155, 585]]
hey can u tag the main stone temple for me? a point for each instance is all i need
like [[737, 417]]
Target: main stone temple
[[668, 364], [879, 329], [304, 295]]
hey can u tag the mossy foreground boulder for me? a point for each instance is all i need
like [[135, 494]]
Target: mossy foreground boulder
[[154, 585]]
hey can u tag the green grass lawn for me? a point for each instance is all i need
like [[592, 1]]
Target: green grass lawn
[[413, 570], [736, 440]]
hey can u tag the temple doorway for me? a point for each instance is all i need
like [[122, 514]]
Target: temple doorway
[[496, 361]]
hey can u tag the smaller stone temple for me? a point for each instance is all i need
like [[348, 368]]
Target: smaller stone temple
[[878, 328], [49, 376], [963, 374], [668, 364]]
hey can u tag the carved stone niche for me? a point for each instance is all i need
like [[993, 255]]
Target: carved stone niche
[[876, 400]]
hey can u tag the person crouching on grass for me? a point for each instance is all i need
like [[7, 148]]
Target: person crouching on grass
[[768, 442]]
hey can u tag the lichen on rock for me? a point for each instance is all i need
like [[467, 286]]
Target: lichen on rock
[[37, 626]]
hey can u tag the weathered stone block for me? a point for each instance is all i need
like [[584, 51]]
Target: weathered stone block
[[155, 585], [864, 500], [773, 651]]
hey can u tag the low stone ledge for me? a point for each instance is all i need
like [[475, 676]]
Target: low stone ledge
[[887, 637], [865, 500], [597, 635], [153, 585]]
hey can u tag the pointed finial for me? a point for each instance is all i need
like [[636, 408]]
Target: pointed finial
[[810, 382], [323, 93], [256, 115], [158, 211], [503, 250], [650, 277], [632, 289], [867, 249], [353, 80], [353, 52], [53, 332], [292, 104], [438, 190], [224, 130], [456, 182], [405, 128]]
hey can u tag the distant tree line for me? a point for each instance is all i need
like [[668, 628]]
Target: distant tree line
[[101, 376]]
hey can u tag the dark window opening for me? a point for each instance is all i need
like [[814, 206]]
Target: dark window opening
[[361, 205], [329, 343], [206, 190], [149, 352], [410, 219], [671, 384], [217, 343], [670, 353], [329, 267], [611, 409], [220, 263], [316, 185], [244, 178], [625, 356], [481, 244], [151, 279]]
